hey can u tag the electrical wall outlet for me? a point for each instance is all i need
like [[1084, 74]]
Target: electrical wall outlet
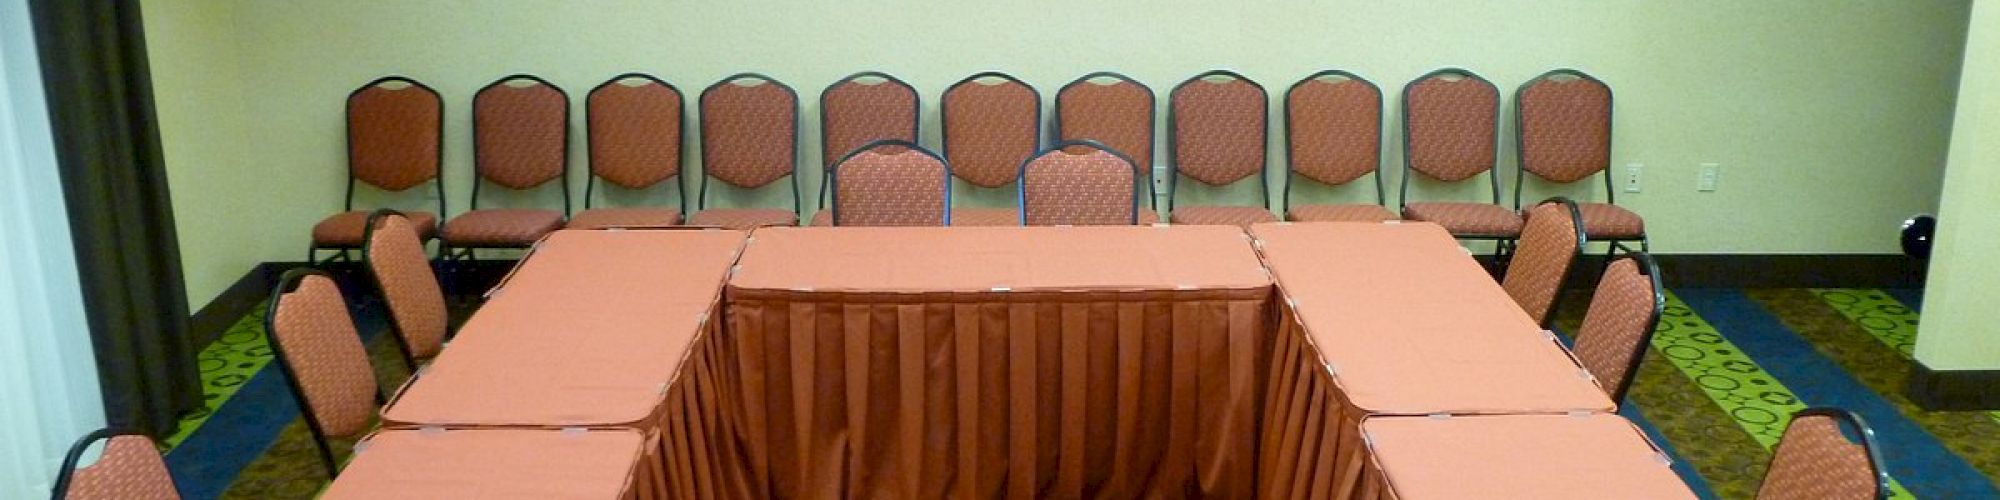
[[1632, 177], [1711, 173]]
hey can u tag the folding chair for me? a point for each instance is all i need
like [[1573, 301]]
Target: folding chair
[[520, 141], [891, 182], [394, 126], [1826, 454], [395, 261], [1450, 132], [322, 358], [1333, 136], [1619, 325], [634, 137], [862, 108], [1550, 242], [1562, 123], [129, 468], [1079, 183], [749, 139], [1216, 128], [992, 122], [1117, 112]]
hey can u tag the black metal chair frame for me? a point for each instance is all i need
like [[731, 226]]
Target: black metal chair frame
[[286, 284], [437, 175], [1291, 167], [1057, 148], [872, 145], [680, 184], [1174, 147]]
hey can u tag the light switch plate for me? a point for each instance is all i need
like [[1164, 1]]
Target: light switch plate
[[1711, 174], [1632, 176]]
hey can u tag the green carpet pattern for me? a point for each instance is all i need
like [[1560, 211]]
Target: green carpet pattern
[[225, 365]]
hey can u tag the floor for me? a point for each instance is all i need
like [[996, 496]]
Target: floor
[[1727, 368]]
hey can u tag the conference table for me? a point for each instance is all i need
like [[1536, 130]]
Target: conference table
[[608, 329], [977, 362], [493, 463], [1392, 319], [1585, 456]]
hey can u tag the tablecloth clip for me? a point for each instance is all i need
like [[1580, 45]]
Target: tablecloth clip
[[1467, 251], [1392, 222], [805, 289], [573, 431], [362, 445], [1439, 416], [1330, 371], [734, 270], [1002, 289], [1580, 413], [1186, 286], [701, 320], [1160, 224], [1548, 334], [430, 430], [1282, 223], [1663, 459], [1584, 373], [1367, 440], [661, 389]]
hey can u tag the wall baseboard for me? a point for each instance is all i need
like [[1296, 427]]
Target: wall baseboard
[[1954, 390]]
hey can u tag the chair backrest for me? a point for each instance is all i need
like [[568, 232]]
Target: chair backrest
[[1563, 126], [1217, 126], [1551, 238], [1333, 127], [891, 183], [1450, 119], [863, 108], [1826, 454], [749, 130], [992, 123], [1112, 109], [1619, 324], [321, 355], [1079, 183], [520, 130], [395, 258], [129, 468], [394, 129], [634, 130]]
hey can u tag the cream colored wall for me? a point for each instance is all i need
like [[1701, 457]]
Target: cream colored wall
[[1959, 331], [1830, 118]]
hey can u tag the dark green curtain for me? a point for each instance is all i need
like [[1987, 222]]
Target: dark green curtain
[[93, 55]]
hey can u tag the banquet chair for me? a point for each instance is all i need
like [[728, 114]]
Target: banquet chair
[[891, 182], [992, 123], [1562, 123], [1116, 111], [1550, 241], [395, 261], [394, 125], [863, 107], [1216, 125], [520, 141], [129, 468], [1825, 454], [322, 358], [1333, 137], [1079, 183], [1619, 325], [634, 130], [749, 139], [1450, 130]]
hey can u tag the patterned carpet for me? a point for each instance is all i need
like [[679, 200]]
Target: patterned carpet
[[1726, 370]]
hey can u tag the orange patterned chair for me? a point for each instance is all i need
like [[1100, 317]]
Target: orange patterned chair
[[862, 108], [1550, 241], [1826, 454], [395, 260], [394, 131], [1216, 128], [1450, 130], [1115, 111], [1333, 136], [520, 141], [1563, 135], [635, 124], [749, 139], [1079, 183], [129, 468], [992, 123], [313, 340], [891, 182], [1619, 324]]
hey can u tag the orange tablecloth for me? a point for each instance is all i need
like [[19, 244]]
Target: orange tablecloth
[[1519, 456], [1111, 362], [492, 463], [609, 328], [1391, 319]]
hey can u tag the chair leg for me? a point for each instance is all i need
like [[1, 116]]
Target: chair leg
[[326, 456]]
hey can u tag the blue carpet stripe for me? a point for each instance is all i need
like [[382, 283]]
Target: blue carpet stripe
[[206, 463], [1910, 297], [1914, 456]]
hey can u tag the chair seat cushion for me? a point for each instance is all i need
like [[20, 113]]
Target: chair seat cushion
[[1478, 220], [822, 218], [600, 218], [345, 229], [1148, 217], [1359, 212], [981, 216], [1610, 222], [501, 227], [744, 218], [1222, 216]]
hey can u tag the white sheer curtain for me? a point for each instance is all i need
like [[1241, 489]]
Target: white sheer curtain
[[48, 377]]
